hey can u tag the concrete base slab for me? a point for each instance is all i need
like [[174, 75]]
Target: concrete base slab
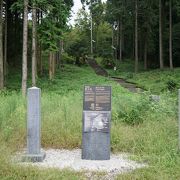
[[33, 157]]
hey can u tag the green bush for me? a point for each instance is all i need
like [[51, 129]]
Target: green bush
[[171, 85], [107, 63], [68, 59], [133, 111]]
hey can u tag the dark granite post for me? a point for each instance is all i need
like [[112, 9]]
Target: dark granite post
[[96, 123]]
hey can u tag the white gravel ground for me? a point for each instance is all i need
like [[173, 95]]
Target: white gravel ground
[[65, 159]]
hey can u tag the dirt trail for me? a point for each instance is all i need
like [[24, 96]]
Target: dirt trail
[[102, 72]]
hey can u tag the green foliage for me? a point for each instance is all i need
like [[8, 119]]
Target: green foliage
[[107, 63], [135, 112], [17, 6], [104, 40], [68, 59], [54, 22], [77, 42], [171, 85]]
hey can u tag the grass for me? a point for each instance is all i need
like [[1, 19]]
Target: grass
[[155, 81], [146, 129]]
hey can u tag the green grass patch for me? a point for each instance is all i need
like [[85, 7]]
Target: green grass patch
[[146, 129], [155, 81]]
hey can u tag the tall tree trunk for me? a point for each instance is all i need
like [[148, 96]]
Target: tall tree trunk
[[54, 64], [40, 59], [145, 53], [40, 47], [50, 65], [1, 47], [112, 43], [136, 36], [10, 36], [121, 36], [25, 49], [34, 59], [91, 33], [170, 35], [160, 36], [59, 55], [119, 39], [5, 45]]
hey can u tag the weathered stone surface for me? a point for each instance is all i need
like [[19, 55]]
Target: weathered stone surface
[[34, 157], [34, 126]]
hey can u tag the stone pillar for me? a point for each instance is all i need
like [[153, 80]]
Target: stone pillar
[[34, 153]]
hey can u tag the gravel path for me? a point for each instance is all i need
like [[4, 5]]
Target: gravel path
[[62, 159]]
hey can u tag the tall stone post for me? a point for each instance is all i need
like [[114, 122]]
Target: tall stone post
[[34, 153]]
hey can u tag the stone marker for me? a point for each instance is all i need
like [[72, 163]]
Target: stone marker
[[96, 123], [154, 98], [34, 153]]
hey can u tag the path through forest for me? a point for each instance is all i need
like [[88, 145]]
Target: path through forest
[[102, 72]]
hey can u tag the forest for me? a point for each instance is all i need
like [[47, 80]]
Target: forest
[[143, 31], [133, 42]]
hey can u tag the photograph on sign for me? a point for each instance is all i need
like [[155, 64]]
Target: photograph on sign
[[96, 121]]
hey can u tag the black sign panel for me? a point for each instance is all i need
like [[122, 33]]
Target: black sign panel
[[97, 98]]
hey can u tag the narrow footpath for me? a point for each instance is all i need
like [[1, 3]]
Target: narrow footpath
[[102, 72]]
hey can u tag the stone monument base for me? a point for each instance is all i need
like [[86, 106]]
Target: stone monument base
[[34, 157], [96, 146]]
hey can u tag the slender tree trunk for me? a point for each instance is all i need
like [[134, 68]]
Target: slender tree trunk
[[10, 37], [117, 34], [59, 55], [113, 48], [91, 33], [54, 64], [15, 34], [145, 54], [119, 39], [121, 36], [160, 37], [1, 47], [40, 59], [5, 45], [38, 46], [25, 49], [34, 47], [50, 66], [40, 49], [170, 35], [136, 36]]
